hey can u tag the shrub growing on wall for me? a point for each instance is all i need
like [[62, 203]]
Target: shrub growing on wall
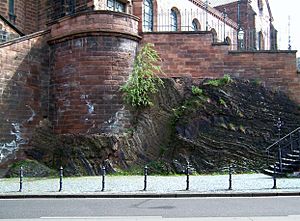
[[144, 80]]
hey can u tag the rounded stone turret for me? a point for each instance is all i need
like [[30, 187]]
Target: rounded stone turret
[[92, 55]]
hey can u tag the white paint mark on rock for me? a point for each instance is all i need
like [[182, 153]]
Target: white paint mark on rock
[[33, 114], [10, 147], [89, 104]]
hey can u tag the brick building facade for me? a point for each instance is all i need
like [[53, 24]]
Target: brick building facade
[[71, 67]]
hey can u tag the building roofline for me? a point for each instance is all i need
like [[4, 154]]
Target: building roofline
[[11, 25], [270, 12]]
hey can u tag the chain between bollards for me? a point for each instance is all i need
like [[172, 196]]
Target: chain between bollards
[[145, 177], [230, 177], [188, 176], [61, 174], [21, 179], [103, 178], [274, 178]]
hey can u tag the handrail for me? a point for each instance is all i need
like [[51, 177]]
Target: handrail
[[269, 147]]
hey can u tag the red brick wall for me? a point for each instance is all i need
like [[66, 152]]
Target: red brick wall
[[86, 76], [186, 54], [23, 85], [89, 65], [4, 8], [42, 14]]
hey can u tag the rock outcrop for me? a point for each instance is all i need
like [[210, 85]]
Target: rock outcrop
[[210, 124]]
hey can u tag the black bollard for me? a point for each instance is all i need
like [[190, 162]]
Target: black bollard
[[103, 178], [274, 178], [61, 174], [230, 177], [145, 177], [21, 179], [188, 176]]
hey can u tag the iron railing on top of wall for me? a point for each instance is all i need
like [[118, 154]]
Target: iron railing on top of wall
[[188, 20], [197, 20]]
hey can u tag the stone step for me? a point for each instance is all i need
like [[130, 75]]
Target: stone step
[[271, 172], [292, 156], [284, 169]]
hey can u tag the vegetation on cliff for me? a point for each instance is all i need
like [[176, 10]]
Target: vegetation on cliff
[[143, 81]]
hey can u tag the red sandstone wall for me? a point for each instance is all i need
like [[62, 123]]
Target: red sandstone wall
[[90, 60], [95, 21], [186, 54], [4, 8], [86, 76], [23, 86]]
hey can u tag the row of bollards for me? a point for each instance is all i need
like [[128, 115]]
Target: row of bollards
[[103, 173]]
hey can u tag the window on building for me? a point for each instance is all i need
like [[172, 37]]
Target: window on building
[[148, 16], [11, 7], [174, 20], [214, 35], [11, 11], [3, 36], [70, 6], [261, 41], [196, 25], [115, 5]]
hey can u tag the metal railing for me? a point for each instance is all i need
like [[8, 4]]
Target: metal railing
[[285, 145], [186, 181], [187, 172], [189, 20], [197, 20]]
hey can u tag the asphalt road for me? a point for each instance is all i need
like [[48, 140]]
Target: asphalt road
[[165, 208]]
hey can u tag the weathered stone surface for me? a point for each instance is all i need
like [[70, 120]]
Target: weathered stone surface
[[231, 123]]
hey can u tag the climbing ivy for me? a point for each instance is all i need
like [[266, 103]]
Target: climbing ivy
[[143, 81]]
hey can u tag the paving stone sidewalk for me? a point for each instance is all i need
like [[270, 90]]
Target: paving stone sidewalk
[[217, 184]]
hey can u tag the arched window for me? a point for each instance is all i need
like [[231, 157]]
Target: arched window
[[261, 41], [196, 25], [228, 40], [148, 16], [11, 11], [174, 19], [214, 35], [11, 7], [70, 7]]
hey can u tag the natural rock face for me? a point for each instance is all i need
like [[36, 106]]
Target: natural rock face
[[210, 124], [230, 122], [83, 154]]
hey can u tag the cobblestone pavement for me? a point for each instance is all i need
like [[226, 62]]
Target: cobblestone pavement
[[156, 184]]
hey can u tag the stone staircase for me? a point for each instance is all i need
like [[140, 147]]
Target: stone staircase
[[284, 156]]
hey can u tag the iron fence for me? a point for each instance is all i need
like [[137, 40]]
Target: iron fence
[[198, 20], [188, 20], [186, 184]]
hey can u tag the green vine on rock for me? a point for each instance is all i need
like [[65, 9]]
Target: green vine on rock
[[144, 80]]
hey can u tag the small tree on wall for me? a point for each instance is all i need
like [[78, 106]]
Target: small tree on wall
[[144, 80]]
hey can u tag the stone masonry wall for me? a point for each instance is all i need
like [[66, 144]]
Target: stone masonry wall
[[87, 74], [194, 54], [89, 63], [24, 84]]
